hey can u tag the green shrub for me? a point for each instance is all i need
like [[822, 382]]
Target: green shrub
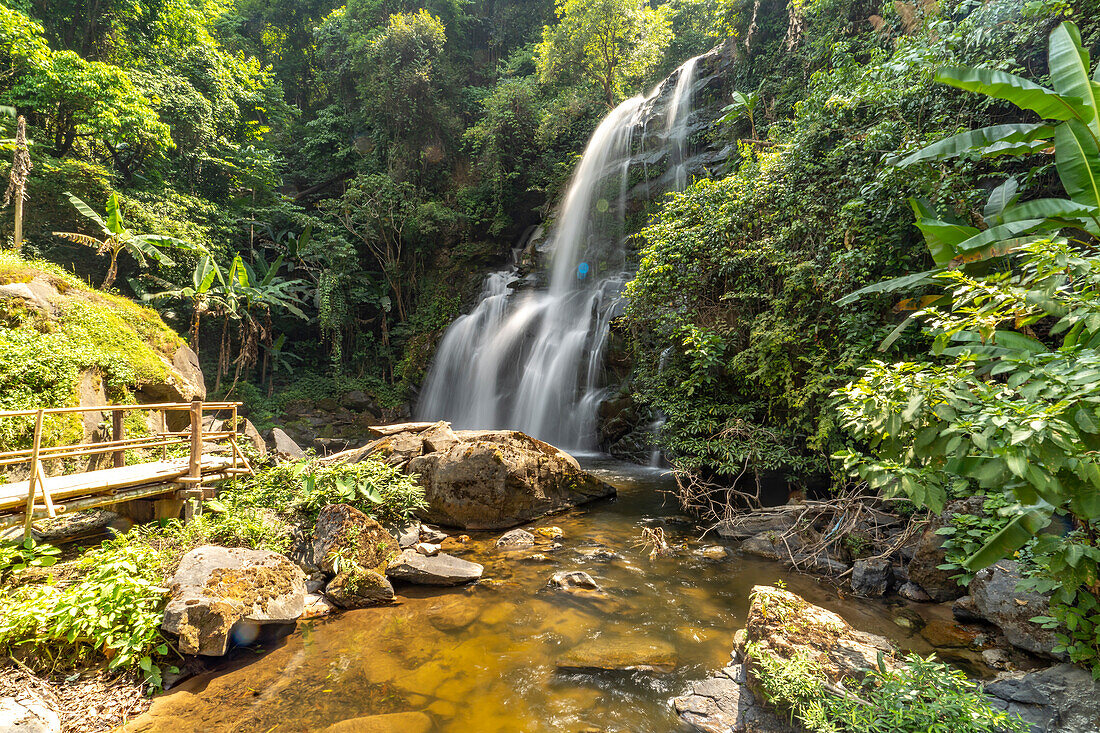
[[921, 696], [113, 612]]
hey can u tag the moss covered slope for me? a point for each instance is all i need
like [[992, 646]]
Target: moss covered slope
[[64, 343]]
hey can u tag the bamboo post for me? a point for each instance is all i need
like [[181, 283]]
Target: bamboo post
[[33, 483], [233, 438], [164, 431], [195, 463], [118, 430], [193, 506]]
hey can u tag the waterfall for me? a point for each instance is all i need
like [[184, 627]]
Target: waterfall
[[531, 358], [676, 126]]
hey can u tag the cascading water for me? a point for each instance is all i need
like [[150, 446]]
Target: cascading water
[[532, 359]]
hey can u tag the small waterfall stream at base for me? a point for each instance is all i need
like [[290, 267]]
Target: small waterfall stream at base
[[532, 358]]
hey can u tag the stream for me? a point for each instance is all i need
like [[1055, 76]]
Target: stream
[[482, 659]]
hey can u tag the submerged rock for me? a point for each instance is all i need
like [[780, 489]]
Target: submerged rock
[[214, 588], [573, 580], [712, 552], [484, 479], [913, 592], [412, 567], [619, 654], [997, 601], [390, 723], [516, 539]]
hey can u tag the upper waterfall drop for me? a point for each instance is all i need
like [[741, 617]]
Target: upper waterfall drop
[[532, 359]]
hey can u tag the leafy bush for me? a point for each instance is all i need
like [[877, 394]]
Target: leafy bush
[[372, 486], [921, 696], [112, 612], [15, 557]]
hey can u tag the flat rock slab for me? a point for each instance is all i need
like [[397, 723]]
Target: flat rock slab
[[412, 567], [724, 704], [618, 654], [27, 715], [998, 602], [214, 588], [392, 723], [1061, 698]]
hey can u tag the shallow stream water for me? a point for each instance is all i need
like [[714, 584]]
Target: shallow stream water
[[484, 659]]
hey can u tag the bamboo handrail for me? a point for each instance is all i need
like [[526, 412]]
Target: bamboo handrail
[[119, 444], [172, 406]]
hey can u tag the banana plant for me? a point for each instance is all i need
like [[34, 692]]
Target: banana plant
[[202, 293], [742, 105], [1073, 128], [1071, 125], [117, 238]]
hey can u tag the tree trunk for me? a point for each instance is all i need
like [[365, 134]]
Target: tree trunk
[[111, 271]]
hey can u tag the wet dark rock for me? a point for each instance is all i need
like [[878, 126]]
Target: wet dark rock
[[388, 723], [820, 563], [913, 592], [777, 521], [1063, 698], [619, 654], [412, 567], [517, 539], [215, 588], [723, 703], [947, 634], [965, 610], [772, 546], [344, 532], [432, 534], [572, 580], [998, 602], [872, 577], [598, 554]]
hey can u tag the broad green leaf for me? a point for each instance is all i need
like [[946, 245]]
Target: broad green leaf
[[1019, 342], [87, 211], [1077, 157], [1000, 199], [986, 141], [1050, 209], [890, 286], [1011, 88], [114, 215], [943, 239], [978, 242], [1012, 537], [1069, 71]]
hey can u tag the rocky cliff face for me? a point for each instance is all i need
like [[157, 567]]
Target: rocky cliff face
[[63, 343]]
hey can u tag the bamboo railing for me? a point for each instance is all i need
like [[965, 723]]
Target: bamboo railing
[[117, 446]]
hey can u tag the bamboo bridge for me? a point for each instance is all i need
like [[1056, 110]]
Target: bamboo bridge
[[176, 483]]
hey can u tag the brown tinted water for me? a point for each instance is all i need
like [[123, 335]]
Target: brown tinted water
[[484, 659]]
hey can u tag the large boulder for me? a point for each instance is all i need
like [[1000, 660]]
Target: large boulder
[[1062, 698], [997, 601], [28, 713], [216, 588], [412, 567], [781, 624], [344, 533], [484, 479]]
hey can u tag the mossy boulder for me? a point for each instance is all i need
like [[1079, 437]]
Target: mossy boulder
[[483, 479], [63, 343], [217, 589]]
